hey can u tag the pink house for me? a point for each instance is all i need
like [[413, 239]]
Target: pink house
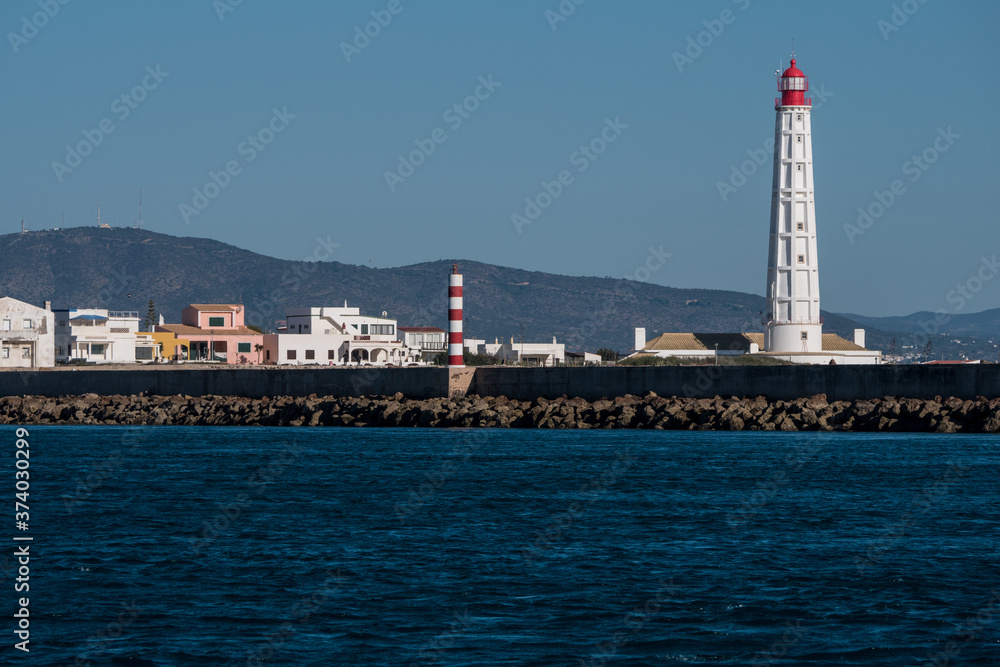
[[217, 332]]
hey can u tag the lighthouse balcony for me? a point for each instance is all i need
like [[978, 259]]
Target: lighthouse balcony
[[807, 102]]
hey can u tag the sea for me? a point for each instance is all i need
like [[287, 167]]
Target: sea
[[198, 546]]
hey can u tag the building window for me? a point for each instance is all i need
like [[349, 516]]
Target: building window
[[291, 354], [6, 353], [802, 259], [305, 327], [97, 349], [6, 325], [26, 353], [364, 328], [216, 321], [243, 347], [267, 355], [805, 335], [27, 324], [801, 226], [383, 329], [331, 354], [310, 354]]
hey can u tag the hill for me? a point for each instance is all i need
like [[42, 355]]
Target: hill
[[122, 269]]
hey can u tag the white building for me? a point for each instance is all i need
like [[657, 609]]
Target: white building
[[792, 320], [335, 336], [428, 342], [532, 354], [98, 335], [707, 346], [27, 338]]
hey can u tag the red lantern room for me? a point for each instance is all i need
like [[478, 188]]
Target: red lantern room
[[793, 84]]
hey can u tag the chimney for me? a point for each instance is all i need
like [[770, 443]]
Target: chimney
[[47, 305], [640, 338], [859, 337]]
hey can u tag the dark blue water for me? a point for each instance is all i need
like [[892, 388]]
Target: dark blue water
[[247, 546]]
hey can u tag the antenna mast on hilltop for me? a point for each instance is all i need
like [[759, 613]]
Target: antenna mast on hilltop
[[138, 223], [23, 230], [98, 213]]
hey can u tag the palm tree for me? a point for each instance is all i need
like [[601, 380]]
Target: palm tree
[[258, 348]]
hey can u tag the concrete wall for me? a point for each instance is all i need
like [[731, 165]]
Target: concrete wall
[[251, 382], [775, 382]]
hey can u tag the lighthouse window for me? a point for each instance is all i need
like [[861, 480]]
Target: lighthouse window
[[801, 226], [798, 117], [798, 167], [798, 139], [805, 335], [802, 259]]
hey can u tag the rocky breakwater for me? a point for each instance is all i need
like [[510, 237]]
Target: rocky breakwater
[[940, 415]]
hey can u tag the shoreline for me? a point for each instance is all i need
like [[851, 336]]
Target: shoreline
[[887, 414]]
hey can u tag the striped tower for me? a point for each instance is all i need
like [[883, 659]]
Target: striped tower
[[455, 359], [792, 320]]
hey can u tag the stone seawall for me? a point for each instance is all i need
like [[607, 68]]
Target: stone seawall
[[948, 415], [838, 383]]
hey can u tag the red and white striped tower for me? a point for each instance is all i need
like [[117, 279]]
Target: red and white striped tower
[[455, 359]]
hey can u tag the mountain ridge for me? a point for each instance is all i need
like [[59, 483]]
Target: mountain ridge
[[123, 268]]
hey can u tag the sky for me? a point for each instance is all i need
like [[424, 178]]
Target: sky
[[590, 137]]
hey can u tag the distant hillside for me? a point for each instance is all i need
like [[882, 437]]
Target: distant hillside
[[123, 269], [981, 325]]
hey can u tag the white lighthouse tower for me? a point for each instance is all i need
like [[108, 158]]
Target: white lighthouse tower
[[792, 320]]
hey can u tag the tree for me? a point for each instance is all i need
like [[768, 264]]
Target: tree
[[607, 354], [258, 348], [151, 318], [927, 349], [256, 328], [892, 349]]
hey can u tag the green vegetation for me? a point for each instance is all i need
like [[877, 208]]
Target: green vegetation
[[607, 354], [742, 360]]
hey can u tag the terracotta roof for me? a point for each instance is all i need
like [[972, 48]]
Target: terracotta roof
[[834, 343], [704, 341], [216, 307], [185, 330], [422, 329], [735, 342]]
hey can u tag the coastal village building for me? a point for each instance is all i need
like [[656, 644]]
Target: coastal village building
[[27, 335], [335, 336], [216, 332], [98, 335], [428, 342]]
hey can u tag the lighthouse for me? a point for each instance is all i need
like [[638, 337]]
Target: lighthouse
[[792, 321], [455, 357]]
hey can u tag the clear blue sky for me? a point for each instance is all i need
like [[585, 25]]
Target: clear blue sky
[[887, 95]]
